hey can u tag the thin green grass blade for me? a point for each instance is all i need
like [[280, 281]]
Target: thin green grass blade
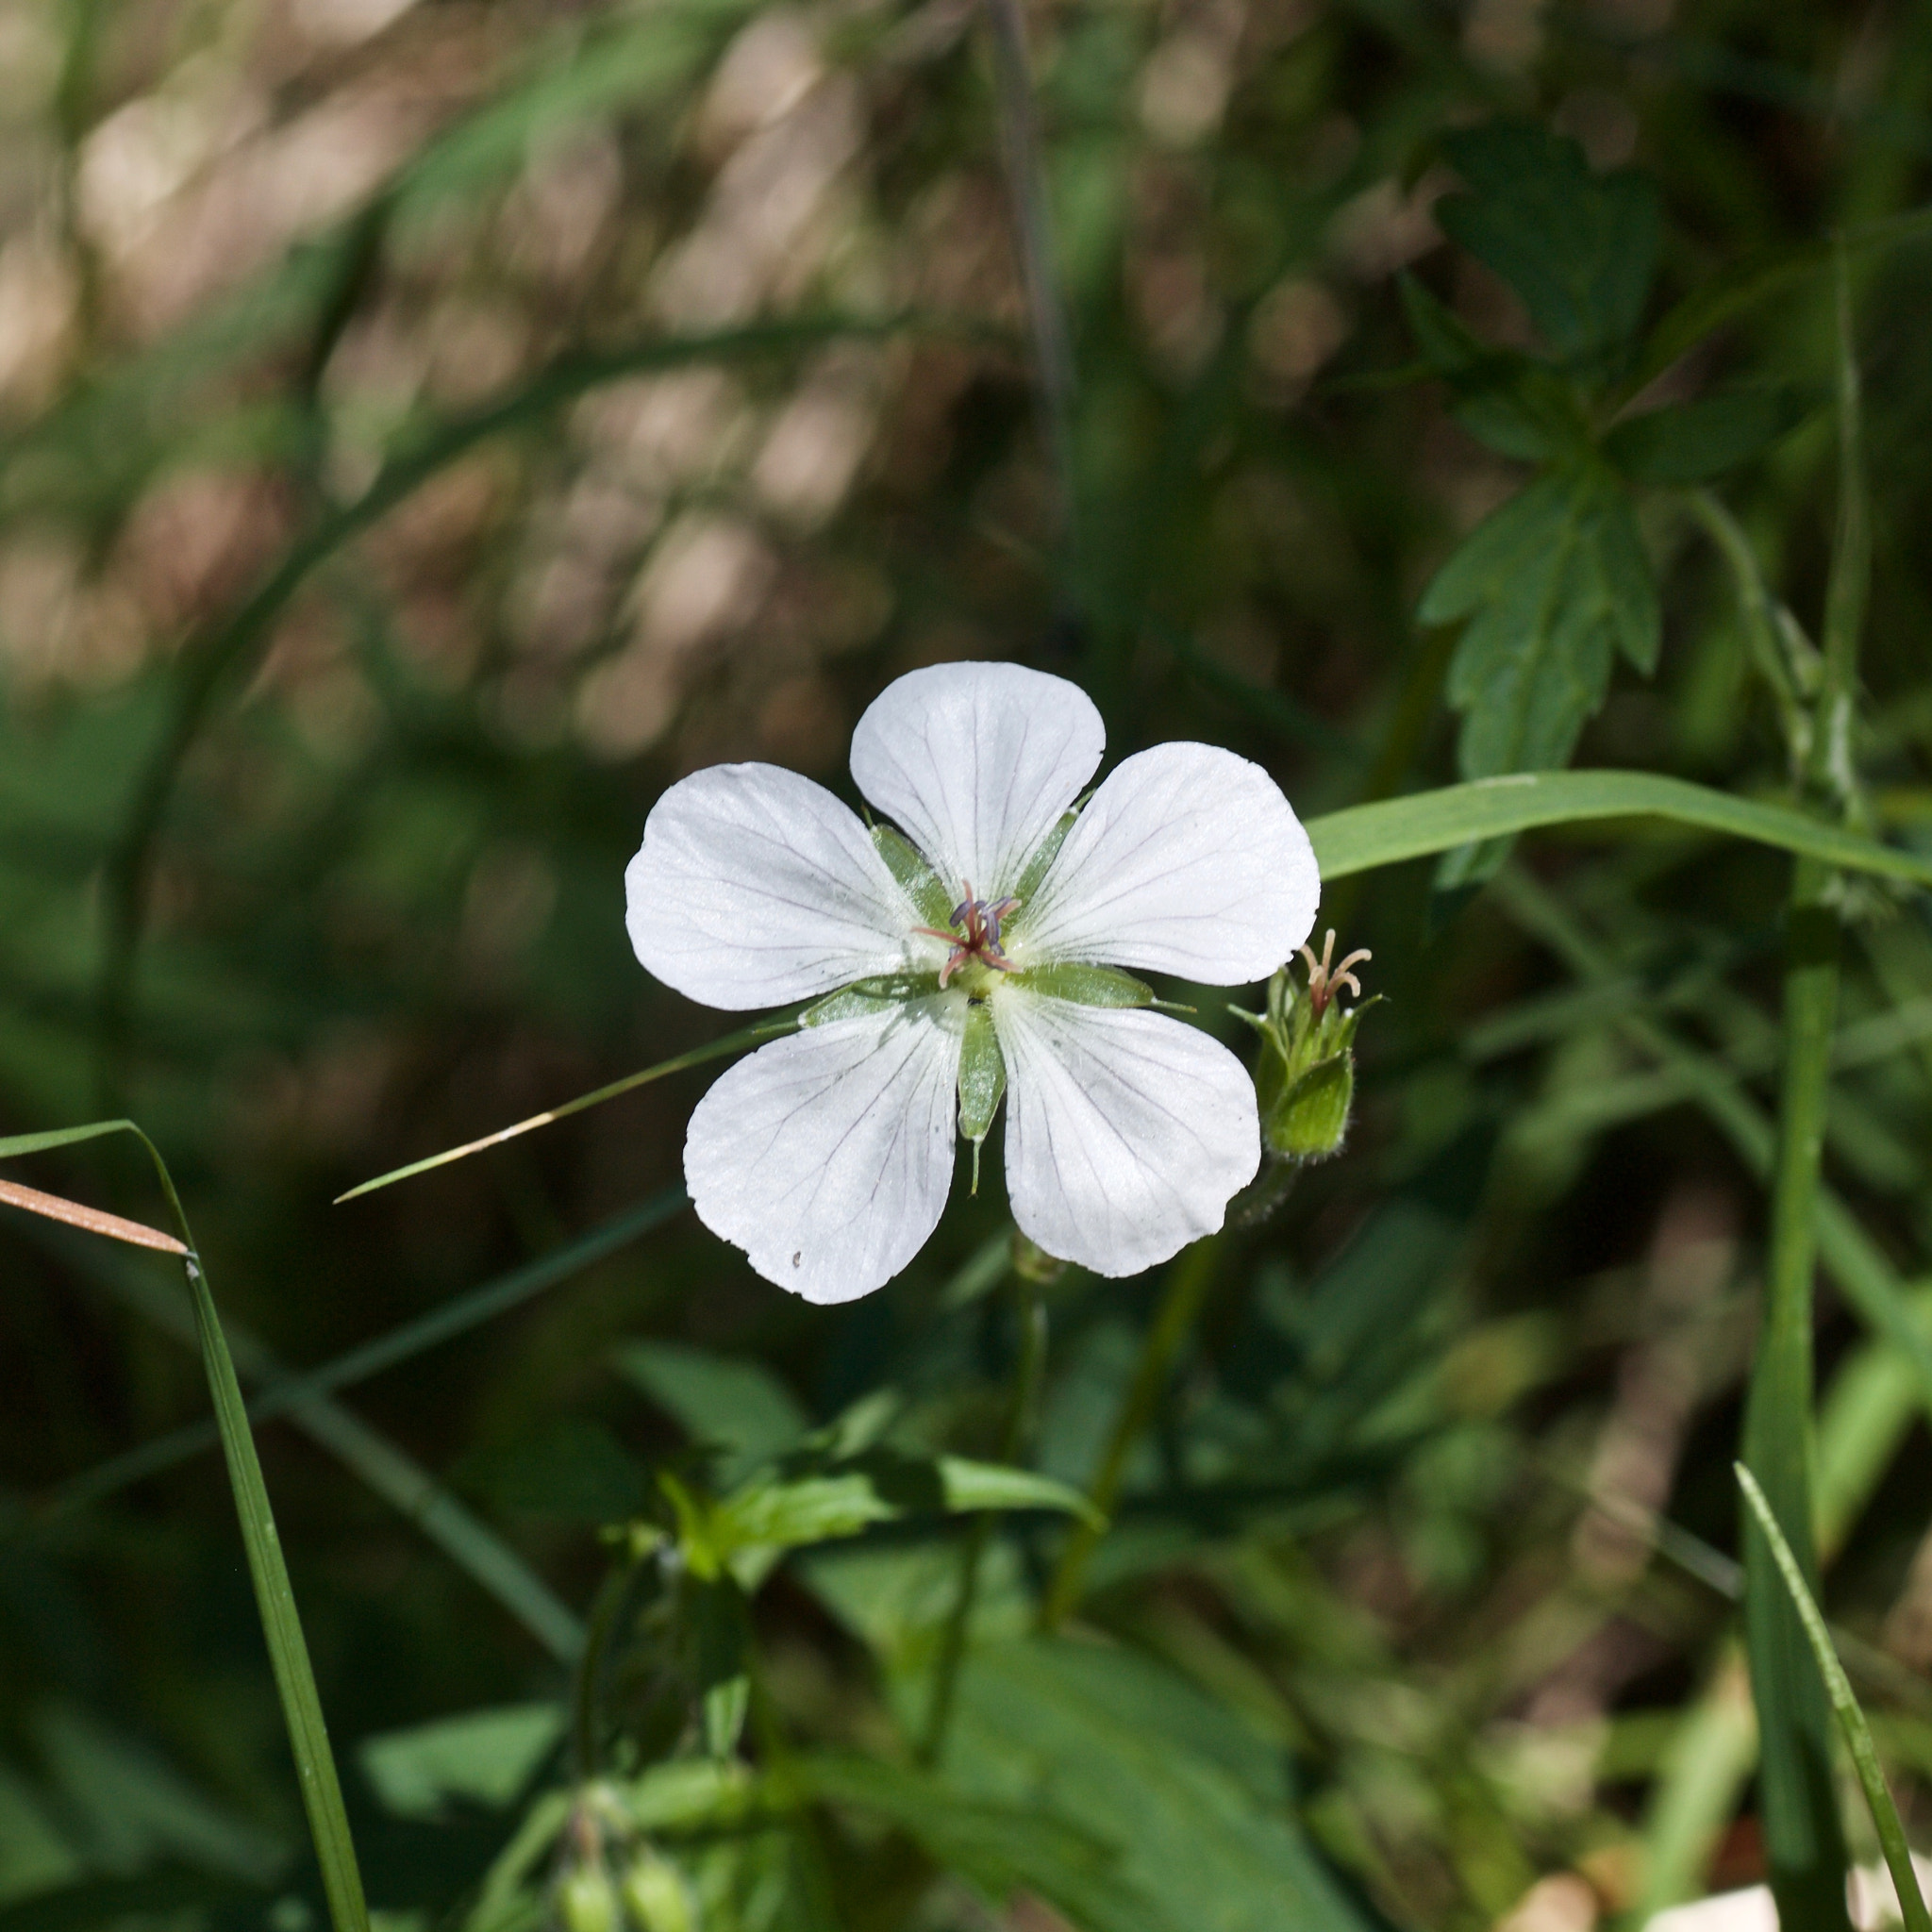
[[1858, 1734], [1394, 829], [732, 1042], [363, 1449], [1803, 1839], [454, 1318], [315, 1765]]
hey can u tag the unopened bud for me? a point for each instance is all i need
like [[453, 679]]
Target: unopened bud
[[1305, 1080], [1031, 1263], [657, 1897], [587, 1900]]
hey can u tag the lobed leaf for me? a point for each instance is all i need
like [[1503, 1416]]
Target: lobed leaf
[[1551, 585]]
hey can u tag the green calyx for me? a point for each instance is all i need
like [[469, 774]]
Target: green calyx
[[982, 1080], [1305, 1079]]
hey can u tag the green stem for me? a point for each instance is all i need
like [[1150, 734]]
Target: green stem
[[1187, 1287], [1800, 1808], [1851, 573], [1028, 1369]]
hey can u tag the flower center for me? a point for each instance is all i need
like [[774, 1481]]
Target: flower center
[[975, 939]]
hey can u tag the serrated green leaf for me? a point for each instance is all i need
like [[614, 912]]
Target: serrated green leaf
[[1551, 586], [1704, 439], [1579, 248], [1511, 401]]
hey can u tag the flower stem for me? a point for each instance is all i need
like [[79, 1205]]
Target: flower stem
[[1188, 1283], [1028, 1369], [1806, 1849], [1804, 1840]]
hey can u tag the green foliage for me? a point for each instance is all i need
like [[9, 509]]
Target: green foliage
[[1579, 248], [421, 448]]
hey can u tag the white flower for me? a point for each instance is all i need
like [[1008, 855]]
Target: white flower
[[980, 957]]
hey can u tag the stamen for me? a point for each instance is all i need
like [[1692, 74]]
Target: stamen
[[974, 935]]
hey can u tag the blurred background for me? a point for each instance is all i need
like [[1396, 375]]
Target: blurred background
[[428, 428]]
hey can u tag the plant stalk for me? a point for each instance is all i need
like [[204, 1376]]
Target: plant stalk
[[1028, 1369], [1803, 1842], [1187, 1287]]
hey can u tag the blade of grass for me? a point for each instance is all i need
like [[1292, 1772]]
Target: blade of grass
[[315, 1765], [75, 1214], [732, 1042], [1799, 1807], [1831, 1678], [454, 1318], [364, 1451], [1391, 830]]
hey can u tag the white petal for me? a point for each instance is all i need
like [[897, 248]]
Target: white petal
[[1187, 860], [827, 1156], [976, 763], [1127, 1133], [754, 887]]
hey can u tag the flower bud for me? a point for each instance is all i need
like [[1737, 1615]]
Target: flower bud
[[1305, 1080], [587, 1900], [657, 1896], [1031, 1263]]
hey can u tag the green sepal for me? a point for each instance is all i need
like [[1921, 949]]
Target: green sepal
[[982, 1080], [1037, 867], [864, 996], [1304, 1078], [922, 885], [1086, 986]]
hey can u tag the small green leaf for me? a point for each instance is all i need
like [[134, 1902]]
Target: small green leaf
[[971, 1486], [798, 1504], [481, 1757], [1579, 248], [1704, 439], [907, 864], [1086, 986], [736, 1405], [1552, 585]]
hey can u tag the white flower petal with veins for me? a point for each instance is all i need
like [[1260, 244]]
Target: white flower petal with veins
[[1187, 860], [976, 763], [754, 887], [1127, 1133], [827, 1156]]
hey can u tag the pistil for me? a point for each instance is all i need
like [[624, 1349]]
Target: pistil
[[975, 939]]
